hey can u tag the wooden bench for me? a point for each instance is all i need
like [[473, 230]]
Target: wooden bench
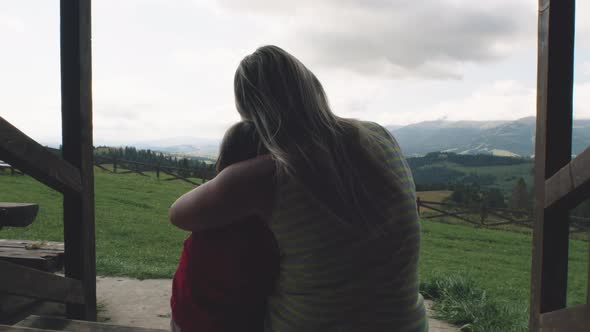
[[44, 256], [19, 261]]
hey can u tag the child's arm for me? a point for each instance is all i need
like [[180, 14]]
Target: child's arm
[[240, 190]]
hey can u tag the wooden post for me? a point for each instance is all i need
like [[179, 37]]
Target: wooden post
[[552, 152], [158, 170], [115, 165], [76, 96]]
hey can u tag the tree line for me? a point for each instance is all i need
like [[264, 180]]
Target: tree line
[[187, 167]]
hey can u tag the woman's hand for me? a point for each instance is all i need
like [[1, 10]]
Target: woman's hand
[[240, 190]]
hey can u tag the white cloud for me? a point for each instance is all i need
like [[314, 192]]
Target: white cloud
[[165, 68], [431, 39]]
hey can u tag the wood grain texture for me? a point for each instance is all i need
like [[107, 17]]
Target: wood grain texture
[[18, 214], [13, 308], [567, 320], [58, 324], [76, 97], [570, 185], [24, 281], [45, 256], [552, 152], [30, 157]]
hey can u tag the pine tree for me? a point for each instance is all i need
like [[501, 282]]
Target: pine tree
[[520, 196]]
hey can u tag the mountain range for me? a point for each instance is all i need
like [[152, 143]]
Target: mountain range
[[503, 138]]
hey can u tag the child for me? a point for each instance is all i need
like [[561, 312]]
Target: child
[[225, 275]]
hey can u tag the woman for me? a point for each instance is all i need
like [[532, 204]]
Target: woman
[[338, 196]]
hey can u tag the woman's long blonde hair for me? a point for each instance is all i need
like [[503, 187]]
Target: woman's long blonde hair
[[337, 160]]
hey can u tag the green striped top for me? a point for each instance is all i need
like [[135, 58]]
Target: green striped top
[[332, 279]]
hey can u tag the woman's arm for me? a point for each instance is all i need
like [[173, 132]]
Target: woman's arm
[[242, 189]]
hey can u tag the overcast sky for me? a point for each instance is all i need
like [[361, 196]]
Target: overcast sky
[[164, 69]]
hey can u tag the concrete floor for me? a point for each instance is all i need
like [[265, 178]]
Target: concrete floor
[[146, 303]]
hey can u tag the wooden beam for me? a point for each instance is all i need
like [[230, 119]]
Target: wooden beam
[[571, 184], [59, 324], [178, 177], [9, 328], [24, 281], [14, 309], [45, 256], [24, 153], [103, 168], [552, 152], [76, 97], [570, 319]]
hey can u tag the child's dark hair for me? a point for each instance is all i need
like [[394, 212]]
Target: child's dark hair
[[240, 142]]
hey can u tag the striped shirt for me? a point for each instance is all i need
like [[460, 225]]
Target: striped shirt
[[332, 279]]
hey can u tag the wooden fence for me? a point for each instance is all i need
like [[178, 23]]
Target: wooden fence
[[121, 166], [490, 217]]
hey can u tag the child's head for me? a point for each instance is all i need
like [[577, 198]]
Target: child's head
[[240, 142]]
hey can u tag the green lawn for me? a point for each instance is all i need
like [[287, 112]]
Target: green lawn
[[134, 238], [133, 235], [499, 261]]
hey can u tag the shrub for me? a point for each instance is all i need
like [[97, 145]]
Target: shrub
[[460, 301]]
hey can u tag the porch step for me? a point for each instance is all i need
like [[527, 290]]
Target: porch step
[[44, 256], [60, 324]]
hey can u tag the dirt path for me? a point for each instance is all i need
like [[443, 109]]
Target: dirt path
[[146, 303]]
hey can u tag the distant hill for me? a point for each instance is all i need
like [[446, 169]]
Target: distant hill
[[502, 138], [183, 146], [440, 170]]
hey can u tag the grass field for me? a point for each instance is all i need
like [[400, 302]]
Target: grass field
[[134, 238], [133, 235], [506, 176], [434, 195]]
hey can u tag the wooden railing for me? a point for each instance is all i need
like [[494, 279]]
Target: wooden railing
[[121, 166], [490, 217]]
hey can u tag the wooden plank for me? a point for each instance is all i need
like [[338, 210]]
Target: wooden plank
[[103, 168], [13, 309], [9, 328], [46, 245], [76, 97], [446, 214], [52, 323], [570, 319], [17, 214], [47, 263], [24, 281], [571, 184], [451, 214], [130, 169], [179, 177], [46, 256], [552, 152], [29, 156]]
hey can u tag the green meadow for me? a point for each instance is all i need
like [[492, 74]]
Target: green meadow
[[135, 239]]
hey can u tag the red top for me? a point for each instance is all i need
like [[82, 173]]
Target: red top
[[224, 277]]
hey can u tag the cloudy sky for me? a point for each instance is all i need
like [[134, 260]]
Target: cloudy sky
[[164, 69]]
